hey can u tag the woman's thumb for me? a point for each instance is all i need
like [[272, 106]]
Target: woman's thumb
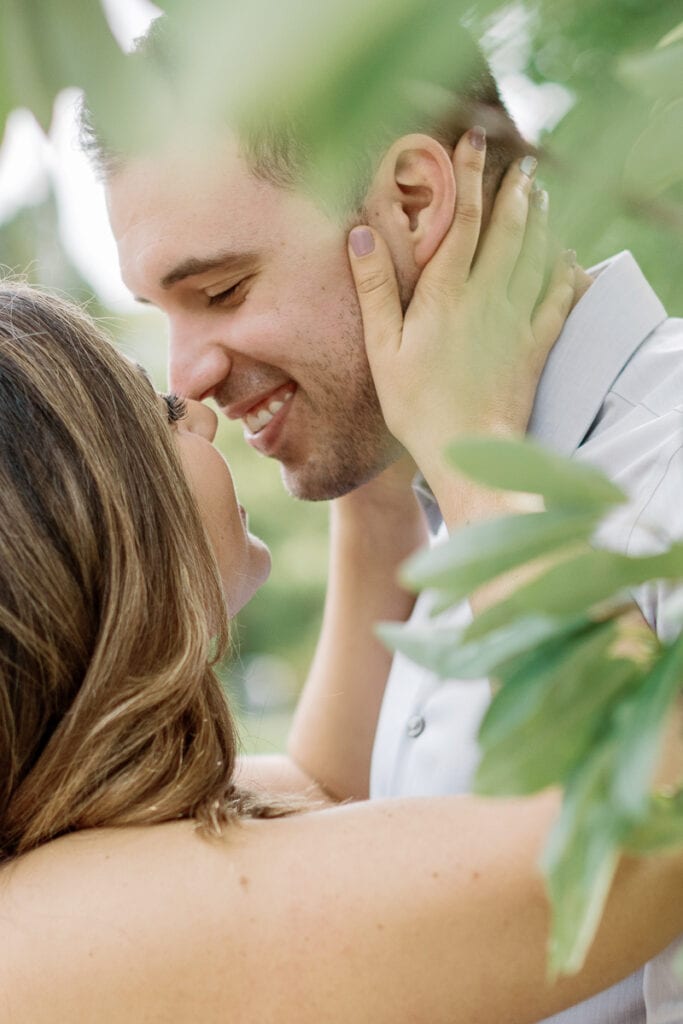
[[375, 280]]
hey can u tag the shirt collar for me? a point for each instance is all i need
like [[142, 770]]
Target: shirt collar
[[602, 332]]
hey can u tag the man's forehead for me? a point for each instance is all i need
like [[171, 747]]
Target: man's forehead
[[173, 175], [164, 210]]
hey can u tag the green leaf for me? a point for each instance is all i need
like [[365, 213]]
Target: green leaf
[[657, 73], [639, 725], [362, 100], [336, 72], [656, 161], [441, 648], [478, 553], [580, 859], [577, 584], [523, 683], [46, 47], [678, 963], [673, 36], [607, 806], [661, 829], [527, 467], [564, 705], [27, 62]]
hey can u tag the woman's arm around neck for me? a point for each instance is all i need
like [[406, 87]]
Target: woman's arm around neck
[[401, 911]]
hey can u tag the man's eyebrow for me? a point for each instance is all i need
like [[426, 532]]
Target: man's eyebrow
[[192, 266]]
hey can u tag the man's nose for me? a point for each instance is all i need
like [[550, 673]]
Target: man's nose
[[198, 362], [200, 419]]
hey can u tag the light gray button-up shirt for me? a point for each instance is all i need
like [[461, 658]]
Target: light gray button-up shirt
[[611, 393]]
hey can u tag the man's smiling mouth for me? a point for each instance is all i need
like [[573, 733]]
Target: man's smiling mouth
[[260, 415]]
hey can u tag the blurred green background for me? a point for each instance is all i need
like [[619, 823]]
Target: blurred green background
[[586, 80]]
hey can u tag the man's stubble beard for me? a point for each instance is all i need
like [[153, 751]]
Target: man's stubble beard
[[360, 447], [355, 444], [350, 458]]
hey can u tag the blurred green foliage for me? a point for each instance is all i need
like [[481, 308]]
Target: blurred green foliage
[[572, 709], [606, 156]]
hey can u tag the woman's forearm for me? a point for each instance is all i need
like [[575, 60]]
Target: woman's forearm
[[378, 913]]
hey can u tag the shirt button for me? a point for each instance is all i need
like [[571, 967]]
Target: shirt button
[[415, 726]]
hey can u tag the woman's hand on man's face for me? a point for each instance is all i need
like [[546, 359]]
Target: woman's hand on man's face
[[467, 355]]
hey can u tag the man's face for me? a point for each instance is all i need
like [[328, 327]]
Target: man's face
[[262, 312]]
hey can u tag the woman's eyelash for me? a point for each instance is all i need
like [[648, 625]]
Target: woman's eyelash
[[176, 407]]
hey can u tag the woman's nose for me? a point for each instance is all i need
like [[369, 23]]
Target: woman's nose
[[200, 419]]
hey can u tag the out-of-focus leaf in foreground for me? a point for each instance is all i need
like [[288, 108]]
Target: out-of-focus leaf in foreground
[[474, 556], [607, 808], [344, 74], [449, 655], [655, 162], [47, 46], [576, 584], [575, 706], [526, 466], [544, 719], [580, 860], [41, 53], [656, 73], [662, 827], [639, 721]]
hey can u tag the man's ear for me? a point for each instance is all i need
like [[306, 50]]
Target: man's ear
[[412, 198]]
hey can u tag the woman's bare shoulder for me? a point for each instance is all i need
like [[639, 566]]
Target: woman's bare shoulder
[[163, 923], [97, 867], [160, 923], [113, 925]]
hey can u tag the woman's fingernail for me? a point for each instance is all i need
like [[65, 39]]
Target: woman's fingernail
[[477, 137], [362, 241], [528, 165], [569, 257], [539, 197]]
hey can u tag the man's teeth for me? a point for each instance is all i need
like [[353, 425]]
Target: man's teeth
[[257, 421]]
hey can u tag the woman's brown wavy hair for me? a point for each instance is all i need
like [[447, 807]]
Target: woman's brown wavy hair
[[111, 611]]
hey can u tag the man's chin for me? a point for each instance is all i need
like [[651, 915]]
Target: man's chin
[[316, 483], [304, 488]]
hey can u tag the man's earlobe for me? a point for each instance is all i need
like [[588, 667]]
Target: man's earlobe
[[417, 187]]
